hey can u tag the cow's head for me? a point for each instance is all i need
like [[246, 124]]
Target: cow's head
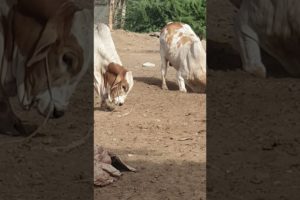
[[118, 82], [58, 61]]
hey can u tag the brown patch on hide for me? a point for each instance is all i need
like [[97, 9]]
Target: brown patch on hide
[[115, 78], [183, 40], [171, 29], [22, 31]]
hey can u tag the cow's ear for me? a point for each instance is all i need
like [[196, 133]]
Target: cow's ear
[[129, 77], [116, 81], [47, 38], [114, 68]]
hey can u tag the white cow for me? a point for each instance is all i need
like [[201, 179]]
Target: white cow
[[273, 25], [42, 61], [182, 49], [112, 81]]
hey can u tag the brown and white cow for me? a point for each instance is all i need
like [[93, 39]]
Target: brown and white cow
[[112, 81], [42, 57], [272, 25], [183, 50]]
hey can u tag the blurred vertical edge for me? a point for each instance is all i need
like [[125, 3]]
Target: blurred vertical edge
[[46, 99], [253, 111]]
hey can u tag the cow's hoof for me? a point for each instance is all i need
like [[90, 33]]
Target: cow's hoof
[[257, 71], [108, 106], [164, 87], [183, 90]]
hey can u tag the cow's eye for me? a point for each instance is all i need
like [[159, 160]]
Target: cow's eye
[[71, 62], [68, 60], [124, 88]]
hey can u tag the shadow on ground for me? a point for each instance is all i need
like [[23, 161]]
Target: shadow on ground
[[157, 82], [176, 180]]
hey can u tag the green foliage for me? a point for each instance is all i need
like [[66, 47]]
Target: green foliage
[[153, 15]]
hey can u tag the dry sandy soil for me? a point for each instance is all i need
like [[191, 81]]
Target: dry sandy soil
[[161, 133], [41, 168], [253, 124]]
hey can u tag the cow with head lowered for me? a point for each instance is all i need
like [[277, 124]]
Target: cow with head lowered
[[44, 52], [182, 49], [112, 81]]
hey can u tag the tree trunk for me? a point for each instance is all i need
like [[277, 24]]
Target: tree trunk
[[117, 9], [123, 13]]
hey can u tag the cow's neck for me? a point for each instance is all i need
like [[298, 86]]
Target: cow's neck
[[20, 35]]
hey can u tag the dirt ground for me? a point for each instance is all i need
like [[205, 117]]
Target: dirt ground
[[161, 133], [38, 169], [252, 130]]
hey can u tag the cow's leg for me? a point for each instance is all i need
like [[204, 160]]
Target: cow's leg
[[97, 85], [97, 89], [164, 67], [10, 123], [180, 81], [249, 49]]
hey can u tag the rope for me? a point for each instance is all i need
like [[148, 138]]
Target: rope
[[39, 128], [51, 103], [64, 148]]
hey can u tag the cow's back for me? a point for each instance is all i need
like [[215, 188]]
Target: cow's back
[[104, 48], [176, 41], [183, 49]]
